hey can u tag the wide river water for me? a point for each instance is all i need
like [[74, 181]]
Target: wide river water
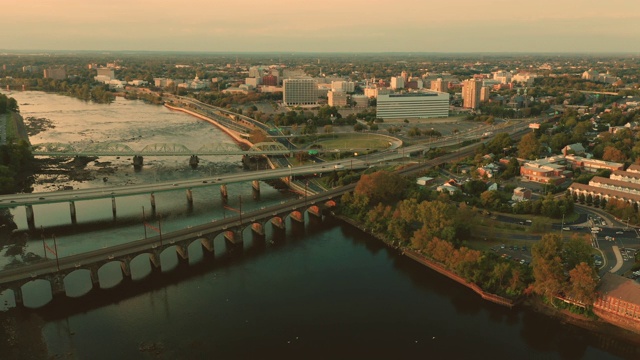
[[319, 291]]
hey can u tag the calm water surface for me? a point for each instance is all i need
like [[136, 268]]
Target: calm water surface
[[323, 290]]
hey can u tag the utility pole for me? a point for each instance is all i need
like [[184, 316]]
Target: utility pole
[[240, 208], [55, 247], [144, 223]]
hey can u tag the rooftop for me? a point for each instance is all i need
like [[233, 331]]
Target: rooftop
[[619, 287]]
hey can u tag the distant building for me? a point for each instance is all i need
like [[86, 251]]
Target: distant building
[[252, 81], [270, 80], [591, 75], [397, 83], [359, 101], [300, 92], [575, 149], [546, 171], [425, 180], [345, 86], [485, 92], [439, 85], [471, 93], [521, 194], [420, 105], [55, 73], [337, 98]]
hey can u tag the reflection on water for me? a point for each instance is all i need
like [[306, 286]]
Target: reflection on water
[[321, 290]]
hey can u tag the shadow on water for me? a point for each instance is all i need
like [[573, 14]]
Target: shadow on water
[[62, 306]]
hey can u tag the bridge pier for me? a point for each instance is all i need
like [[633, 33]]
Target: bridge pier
[[315, 211], [138, 161], [278, 223], [17, 295], [190, 199], [113, 207], [154, 259], [31, 221], [207, 244], [183, 252], [125, 267], [57, 285], [224, 194], [233, 239], [193, 161], [95, 280], [72, 210], [153, 205], [298, 216], [255, 184]]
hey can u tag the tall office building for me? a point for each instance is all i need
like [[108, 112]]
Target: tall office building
[[471, 93], [413, 105], [300, 92], [439, 85], [485, 92], [397, 83]]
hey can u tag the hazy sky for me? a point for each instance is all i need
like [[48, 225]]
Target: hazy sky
[[323, 26]]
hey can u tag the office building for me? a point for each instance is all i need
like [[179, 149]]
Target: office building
[[419, 105], [337, 98], [55, 73], [439, 85], [300, 92], [397, 83], [471, 93]]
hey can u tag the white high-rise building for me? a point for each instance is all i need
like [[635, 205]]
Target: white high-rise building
[[421, 105], [346, 86], [300, 92], [397, 83]]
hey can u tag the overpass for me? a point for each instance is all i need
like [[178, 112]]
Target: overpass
[[180, 241], [157, 149]]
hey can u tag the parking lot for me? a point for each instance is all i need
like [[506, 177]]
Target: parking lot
[[520, 254]]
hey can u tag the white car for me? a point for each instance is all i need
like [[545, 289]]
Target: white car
[[619, 232], [566, 228]]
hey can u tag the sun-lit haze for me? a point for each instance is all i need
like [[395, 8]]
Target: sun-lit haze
[[323, 26]]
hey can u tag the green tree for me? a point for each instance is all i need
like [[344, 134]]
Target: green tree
[[583, 283], [547, 265], [529, 147]]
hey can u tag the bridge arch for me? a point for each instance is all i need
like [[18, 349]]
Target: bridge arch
[[110, 274], [110, 147], [37, 293], [143, 264], [166, 148], [77, 283], [54, 148], [218, 148]]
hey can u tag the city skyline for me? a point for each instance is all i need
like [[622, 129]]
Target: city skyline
[[331, 26]]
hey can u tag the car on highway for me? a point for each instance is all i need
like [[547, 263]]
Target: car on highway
[[566, 228], [619, 232]]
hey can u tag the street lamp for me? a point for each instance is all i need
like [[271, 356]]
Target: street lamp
[[290, 174]]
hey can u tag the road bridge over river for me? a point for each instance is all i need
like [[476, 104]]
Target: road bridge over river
[[231, 227]]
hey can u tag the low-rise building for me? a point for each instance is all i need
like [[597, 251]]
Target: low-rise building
[[618, 301], [546, 171], [521, 194]]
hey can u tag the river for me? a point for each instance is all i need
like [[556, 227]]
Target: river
[[318, 291]]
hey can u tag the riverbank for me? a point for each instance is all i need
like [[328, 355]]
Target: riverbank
[[233, 134], [597, 326], [413, 255]]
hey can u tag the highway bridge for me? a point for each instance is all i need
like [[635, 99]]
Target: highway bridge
[[181, 240]]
